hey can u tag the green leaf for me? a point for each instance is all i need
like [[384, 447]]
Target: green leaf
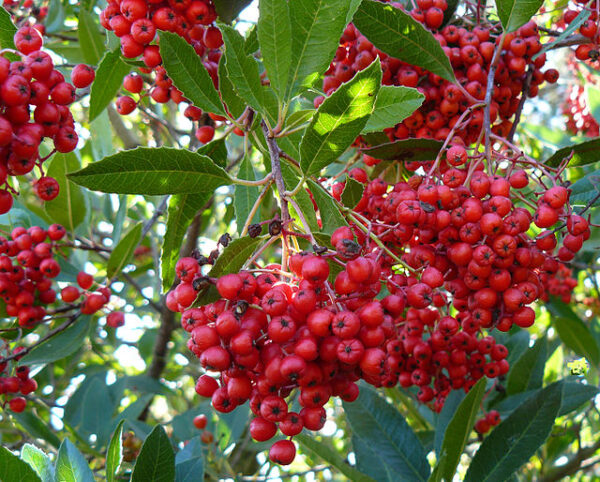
[[216, 150], [122, 253], [235, 105], [71, 466], [13, 469], [60, 346], [109, 77], [449, 12], [114, 454], [574, 333], [383, 428], [333, 458], [393, 105], [275, 40], [188, 73], [586, 189], [55, 21], [584, 153], [369, 462], [406, 150], [245, 196], [190, 462], [91, 41], [458, 430], [242, 69], [331, 217], [399, 35], [180, 214], [451, 404], [528, 371], [152, 171], [7, 30], [317, 26], [228, 10], [156, 461], [352, 193], [37, 428], [515, 13], [97, 406], [231, 260], [69, 207], [516, 439], [339, 120], [574, 395], [251, 42], [38, 461]]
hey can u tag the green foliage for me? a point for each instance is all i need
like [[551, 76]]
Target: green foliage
[[352, 193], [71, 466], [109, 77], [156, 460], [515, 13], [123, 251], [13, 469], [406, 150], [114, 455], [393, 105]]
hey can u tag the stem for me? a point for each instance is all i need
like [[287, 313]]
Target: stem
[[488, 99], [260, 182], [524, 96], [274, 152], [255, 207]]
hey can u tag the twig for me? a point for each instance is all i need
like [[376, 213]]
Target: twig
[[524, 96]]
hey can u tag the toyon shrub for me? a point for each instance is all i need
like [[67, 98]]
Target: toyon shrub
[[360, 243]]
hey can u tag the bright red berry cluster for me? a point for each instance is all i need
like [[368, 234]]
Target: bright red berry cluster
[[19, 383], [32, 86], [484, 425], [470, 52], [136, 23]]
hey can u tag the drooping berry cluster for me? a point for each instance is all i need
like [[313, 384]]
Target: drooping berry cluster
[[34, 105], [18, 384], [136, 23], [470, 51]]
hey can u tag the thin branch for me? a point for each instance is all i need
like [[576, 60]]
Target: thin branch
[[524, 96], [275, 153]]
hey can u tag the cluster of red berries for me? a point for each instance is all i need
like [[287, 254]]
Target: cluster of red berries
[[579, 118], [200, 422], [19, 383], [559, 284], [28, 264], [484, 425], [470, 51], [26, 85], [588, 29], [136, 23], [21, 10]]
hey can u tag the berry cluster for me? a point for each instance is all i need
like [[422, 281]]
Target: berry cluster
[[470, 51], [26, 85], [588, 29], [136, 23], [484, 425], [20, 383]]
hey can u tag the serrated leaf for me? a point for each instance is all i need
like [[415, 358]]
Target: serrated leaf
[[515, 13], [152, 171], [406, 150], [71, 466], [528, 371], [393, 105], [7, 30], [69, 207], [331, 217], [109, 77], [59, 346], [245, 196], [114, 453], [188, 73], [458, 430], [275, 39], [317, 26], [383, 428], [234, 104], [352, 193], [242, 69], [37, 428], [399, 35], [516, 439], [296, 119], [90, 39], [156, 460], [585, 190], [13, 469], [584, 153], [122, 253], [251, 41], [333, 458], [180, 214], [39, 462], [452, 402], [216, 150], [339, 120], [55, 20]]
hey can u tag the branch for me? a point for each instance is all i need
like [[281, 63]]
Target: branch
[[573, 465], [524, 96], [130, 140], [276, 170], [571, 41]]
